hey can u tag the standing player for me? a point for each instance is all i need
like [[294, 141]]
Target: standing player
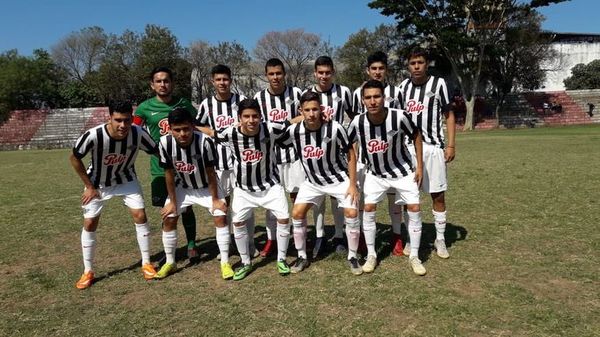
[[425, 98], [380, 135], [113, 147], [321, 147], [279, 103], [335, 101], [153, 113], [188, 158]]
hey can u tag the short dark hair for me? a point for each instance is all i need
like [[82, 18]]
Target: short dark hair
[[377, 56], [220, 69], [310, 96], [161, 70], [123, 107], [249, 103], [274, 62], [323, 61], [417, 52], [179, 116], [371, 84]]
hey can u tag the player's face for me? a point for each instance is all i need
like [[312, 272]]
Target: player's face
[[373, 100], [417, 67], [161, 84], [276, 78], [324, 76], [222, 84], [249, 121], [183, 133], [377, 71], [311, 110], [120, 124]]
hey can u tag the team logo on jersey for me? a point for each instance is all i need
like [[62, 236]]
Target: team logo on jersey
[[251, 156], [278, 115], [327, 112], [377, 145], [114, 159], [414, 107], [312, 152], [223, 121], [184, 167], [164, 126]]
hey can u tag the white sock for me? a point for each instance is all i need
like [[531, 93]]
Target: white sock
[[370, 230], [395, 214], [88, 248], [283, 240], [352, 235], [300, 237], [169, 240], [414, 232], [240, 233], [319, 218], [142, 232], [271, 224], [223, 238], [338, 219], [440, 224], [250, 226]]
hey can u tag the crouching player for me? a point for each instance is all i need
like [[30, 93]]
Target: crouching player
[[321, 147], [188, 157], [113, 147]]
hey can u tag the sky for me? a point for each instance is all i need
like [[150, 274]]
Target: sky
[[29, 24]]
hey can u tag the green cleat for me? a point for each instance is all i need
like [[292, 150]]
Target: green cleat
[[283, 268], [166, 270], [242, 272]]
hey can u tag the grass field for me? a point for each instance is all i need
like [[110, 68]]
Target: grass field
[[523, 232]]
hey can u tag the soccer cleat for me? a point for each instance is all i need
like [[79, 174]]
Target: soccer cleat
[[397, 243], [355, 266], [148, 271], [283, 268], [440, 248], [417, 266], [340, 245], [226, 271], [300, 264], [370, 264], [86, 280], [319, 248], [406, 250], [166, 270], [268, 248], [242, 272]]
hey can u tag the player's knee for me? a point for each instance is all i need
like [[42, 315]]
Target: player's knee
[[139, 215], [170, 224], [299, 211], [370, 207], [350, 213], [90, 224], [283, 221], [413, 208], [220, 221]]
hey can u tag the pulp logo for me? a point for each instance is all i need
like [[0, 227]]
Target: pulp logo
[[414, 107], [114, 159], [312, 152], [278, 115], [164, 126], [184, 167], [223, 121], [327, 112], [251, 156], [377, 145]]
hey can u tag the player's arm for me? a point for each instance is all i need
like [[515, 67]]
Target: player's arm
[[90, 191], [206, 130], [297, 119], [450, 150], [170, 207], [418, 141]]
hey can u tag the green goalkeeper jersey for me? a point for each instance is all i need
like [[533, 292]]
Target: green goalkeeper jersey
[[153, 113]]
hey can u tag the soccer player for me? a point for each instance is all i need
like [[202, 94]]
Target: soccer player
[[425, 99], [279, 103], [113, 148], [380, 135], [377, 68], [335, 101], [188, 157], [257, 182], [321, 147], [153, 113]]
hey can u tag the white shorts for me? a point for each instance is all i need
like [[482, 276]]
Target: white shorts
[[310, 193], [130, 191], [406, 188], [434, 168], [292, 176], [273, 199], [188, 197], [225, 180]]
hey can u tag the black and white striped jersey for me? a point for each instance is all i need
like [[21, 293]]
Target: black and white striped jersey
[[254, 164], [219, 115], [393, 98], [112, 161], [424, 104], [189, 163], [280, 108], [322, 152], [335, 102], [383, 145]]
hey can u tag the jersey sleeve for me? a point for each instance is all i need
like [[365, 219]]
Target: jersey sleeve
[[342, 138], [84, 144], [347, 102], [202, 115], [147, 144], [277, 130], [209, 152], [223, 137], [165, 160], [287, 139], [353, 130], [139, 116], [443, 95], [406, 124]]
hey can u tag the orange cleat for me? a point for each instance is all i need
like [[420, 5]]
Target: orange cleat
[[86, 280], [148, 271]]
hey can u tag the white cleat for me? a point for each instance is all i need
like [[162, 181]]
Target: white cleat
[[417, 266]]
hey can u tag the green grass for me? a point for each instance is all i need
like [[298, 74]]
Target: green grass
[[523, 228]]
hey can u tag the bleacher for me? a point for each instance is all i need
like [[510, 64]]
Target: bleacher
[[17, 131]]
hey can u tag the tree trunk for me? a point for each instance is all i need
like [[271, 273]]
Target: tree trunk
[[469, 116]]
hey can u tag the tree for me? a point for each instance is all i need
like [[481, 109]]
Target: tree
[[461, 30], [584, 76]]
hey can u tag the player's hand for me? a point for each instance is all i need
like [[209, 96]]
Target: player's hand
[[219, 204], [449, 154], [354, 195], [88, 195], [169, 208], [326, 117], [419, 176]]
